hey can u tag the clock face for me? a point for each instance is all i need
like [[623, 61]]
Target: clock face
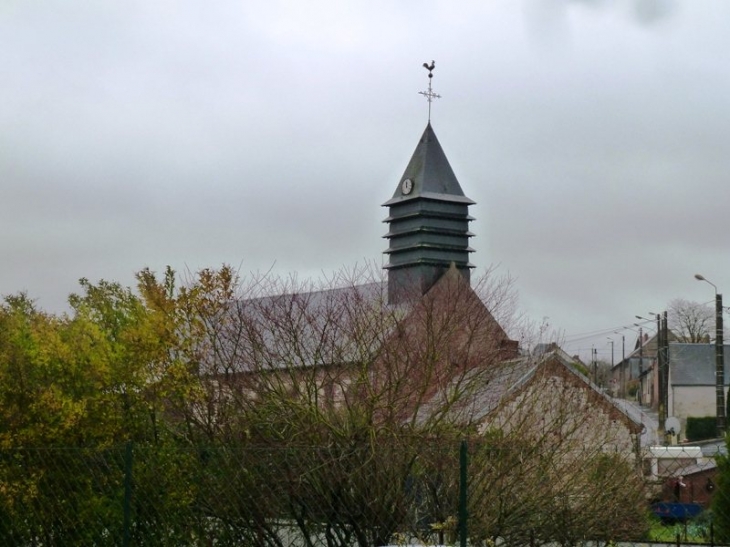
[[406, 186]]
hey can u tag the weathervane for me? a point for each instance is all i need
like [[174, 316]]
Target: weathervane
[[430, 95]]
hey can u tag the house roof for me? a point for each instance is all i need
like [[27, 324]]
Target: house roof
[[694, 364], [647, 351], [511, 377]]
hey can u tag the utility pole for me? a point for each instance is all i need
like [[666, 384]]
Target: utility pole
[[641, 361], [614, 389], [719, 360], [612, 363], [623, 366], [719, 368], [641, 351], [593, 364], [661, 373], [665, 361]]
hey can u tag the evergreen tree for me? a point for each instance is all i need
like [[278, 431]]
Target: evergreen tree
[[721, 497]]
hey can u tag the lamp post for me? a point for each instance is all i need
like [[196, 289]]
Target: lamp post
[[614, 387], [622, 372], [661, 361], [641, 353], [719, 360], [662, 367], [640, 398], [611, 341], [657, 361]]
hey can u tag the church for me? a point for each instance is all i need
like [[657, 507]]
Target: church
[[366, 387], [420, 341], [384, 323], [352, 393]]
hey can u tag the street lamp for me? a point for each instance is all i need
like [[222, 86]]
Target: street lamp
[[719, 360], [622, 371], [611, 341], [644, 318], [641, 352], [662, 368], [659, 363]]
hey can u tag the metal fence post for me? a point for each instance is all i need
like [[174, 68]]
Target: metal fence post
[[463, 513], [127, 531]]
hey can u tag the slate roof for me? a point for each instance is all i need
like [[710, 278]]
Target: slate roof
[[694, 364], [510, 377], [431, 173], [318, 328], [297, 329], [649, 348]]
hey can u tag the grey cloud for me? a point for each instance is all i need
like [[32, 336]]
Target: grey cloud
[[268, 135]]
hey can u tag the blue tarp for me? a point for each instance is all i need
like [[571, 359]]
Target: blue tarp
[[676, 511]]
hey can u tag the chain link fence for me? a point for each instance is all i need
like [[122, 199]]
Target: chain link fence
[[365, 492]]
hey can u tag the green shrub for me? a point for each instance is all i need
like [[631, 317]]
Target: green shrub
[[702, 428]]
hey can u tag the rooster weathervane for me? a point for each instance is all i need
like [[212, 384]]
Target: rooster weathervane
[[430, 95]]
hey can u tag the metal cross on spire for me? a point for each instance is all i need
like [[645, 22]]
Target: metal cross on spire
[[430, 95]]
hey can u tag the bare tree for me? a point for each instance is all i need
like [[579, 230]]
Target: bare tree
[[554, 467], [336, 417], [691, 322], [357, 387]]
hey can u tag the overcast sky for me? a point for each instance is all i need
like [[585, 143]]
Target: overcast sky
[[593, 135]]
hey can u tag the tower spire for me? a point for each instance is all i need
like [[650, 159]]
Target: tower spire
[[428, 223], [430, 95], [428, 219]]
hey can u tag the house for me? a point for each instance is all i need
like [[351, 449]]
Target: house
[[568, 399], [636, 374], [681, 474], [691, 377], [625, 374], [692, 380], [546, 395]]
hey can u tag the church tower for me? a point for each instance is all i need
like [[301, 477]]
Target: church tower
[[428, 223]]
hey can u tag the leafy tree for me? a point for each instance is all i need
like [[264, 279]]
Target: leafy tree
[[265, 409], [76, 387], [49, 371]]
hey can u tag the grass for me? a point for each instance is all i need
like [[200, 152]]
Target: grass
[[694, 531]]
